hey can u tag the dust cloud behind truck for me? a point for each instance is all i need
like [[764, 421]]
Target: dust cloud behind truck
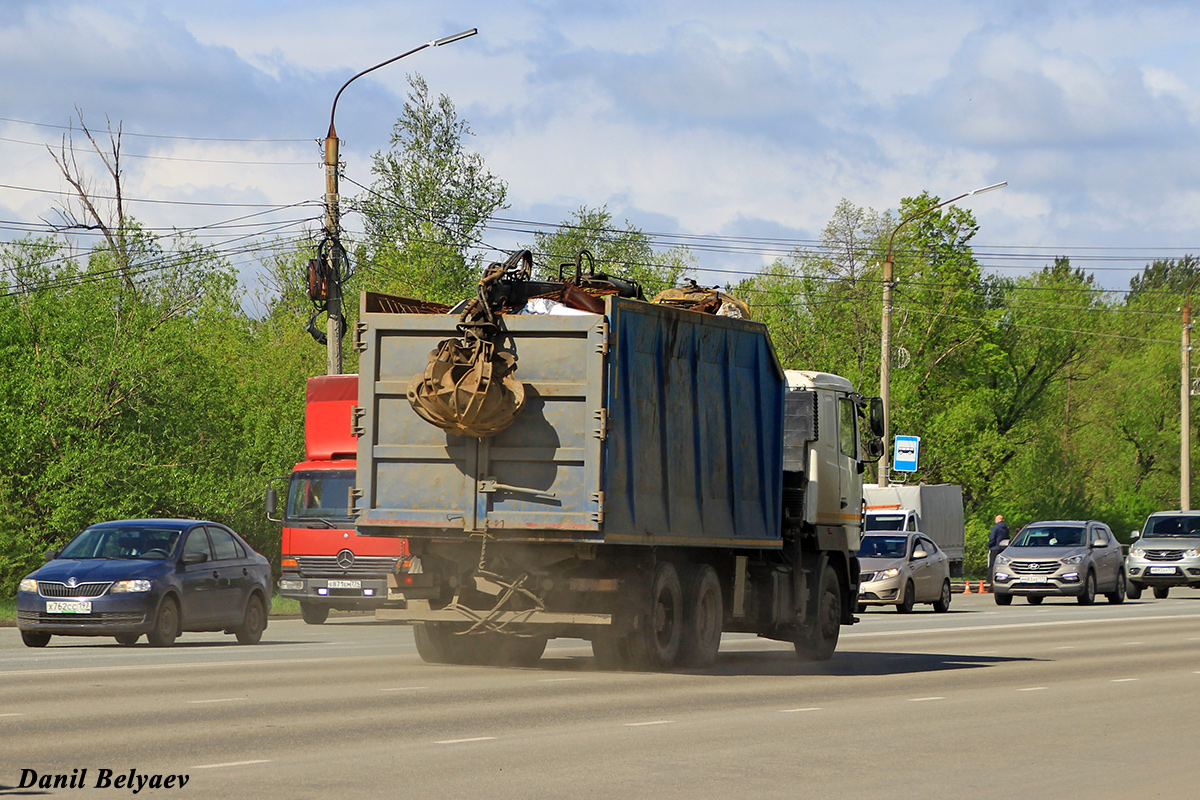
[[642, 499], [935, 510]]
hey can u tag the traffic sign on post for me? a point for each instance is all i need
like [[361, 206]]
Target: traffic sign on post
[[907, 448]]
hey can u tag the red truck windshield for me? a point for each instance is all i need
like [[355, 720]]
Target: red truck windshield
[[320, 494]]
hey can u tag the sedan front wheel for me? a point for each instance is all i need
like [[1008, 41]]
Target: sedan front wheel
[[166, 624]]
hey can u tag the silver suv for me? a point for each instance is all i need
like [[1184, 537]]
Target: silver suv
[[1079, 558], [1165, 553]]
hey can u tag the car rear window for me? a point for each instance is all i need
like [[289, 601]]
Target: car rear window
[[224, 548]]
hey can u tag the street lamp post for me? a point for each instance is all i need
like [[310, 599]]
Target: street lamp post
[[885, 364], [335, 323]]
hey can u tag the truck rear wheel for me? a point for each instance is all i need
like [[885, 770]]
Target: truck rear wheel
[[438, 644], [821, 638], [655, 644], [704, 615]]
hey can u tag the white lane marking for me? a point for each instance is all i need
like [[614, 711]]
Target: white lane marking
[[1032, 689], [795, 710], [924, 699], [232, 764], [1130, 644], [1010, 626], [266, 662], [556, 680], [1066, 647], [404, 689], [644, 724], [463, 741], [1123, 680], [13, 714], [216, 700]]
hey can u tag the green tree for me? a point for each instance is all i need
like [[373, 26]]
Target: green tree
[[428, 204], [625, 253]]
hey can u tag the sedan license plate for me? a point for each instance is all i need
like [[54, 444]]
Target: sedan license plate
[[68, 607], [1035, 579], [1161, 570], [344, 584]]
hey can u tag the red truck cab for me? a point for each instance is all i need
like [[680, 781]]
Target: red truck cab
[[325, 564]]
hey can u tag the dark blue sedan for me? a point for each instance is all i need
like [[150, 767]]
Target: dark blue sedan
[[157, 577]]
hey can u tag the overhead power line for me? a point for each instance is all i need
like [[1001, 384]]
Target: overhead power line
[[156, 135]]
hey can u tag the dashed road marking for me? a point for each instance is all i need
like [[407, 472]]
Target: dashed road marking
[[797, 710], [13, 714], [232, 764], [404, 689], [556, 680], [924, 699], [464, 741], [215, 700], [645, 724], [1123, 680], [1032, 689]]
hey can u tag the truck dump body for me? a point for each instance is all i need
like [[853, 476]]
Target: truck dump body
[[646, 425]]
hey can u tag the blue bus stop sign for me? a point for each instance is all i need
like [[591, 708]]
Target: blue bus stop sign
[[907, 448]]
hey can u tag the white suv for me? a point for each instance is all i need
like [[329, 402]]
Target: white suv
[[1165, 553]]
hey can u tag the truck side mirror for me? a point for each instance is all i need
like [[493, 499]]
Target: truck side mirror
[[874, 449], [272, 501], [876, 418]]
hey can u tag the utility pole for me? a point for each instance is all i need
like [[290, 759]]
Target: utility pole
[[335, 322], [1185, 421], [332, 247], [885, 344]]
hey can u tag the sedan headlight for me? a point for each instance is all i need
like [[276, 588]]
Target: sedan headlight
[[886, 574], [1191, 553], [1136, 551], [124, 587], [1073, 559], [27, 585], [1002, 559]]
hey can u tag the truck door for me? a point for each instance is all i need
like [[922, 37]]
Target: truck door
[[540, 474], [848, 464]]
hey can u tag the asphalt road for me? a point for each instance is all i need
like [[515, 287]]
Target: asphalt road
[[981, 702]]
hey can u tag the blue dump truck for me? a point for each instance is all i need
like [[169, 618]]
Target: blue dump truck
[[664, 481]]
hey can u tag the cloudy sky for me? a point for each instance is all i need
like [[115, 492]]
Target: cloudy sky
[[703, 119]]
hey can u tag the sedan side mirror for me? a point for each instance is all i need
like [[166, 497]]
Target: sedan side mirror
[[1135, 535], [195, 558], [51, 555], [1004, 542], [1099, 543], [918, 554]]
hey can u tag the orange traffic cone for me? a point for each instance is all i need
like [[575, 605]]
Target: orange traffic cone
[[981, 589], [966, 587]]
